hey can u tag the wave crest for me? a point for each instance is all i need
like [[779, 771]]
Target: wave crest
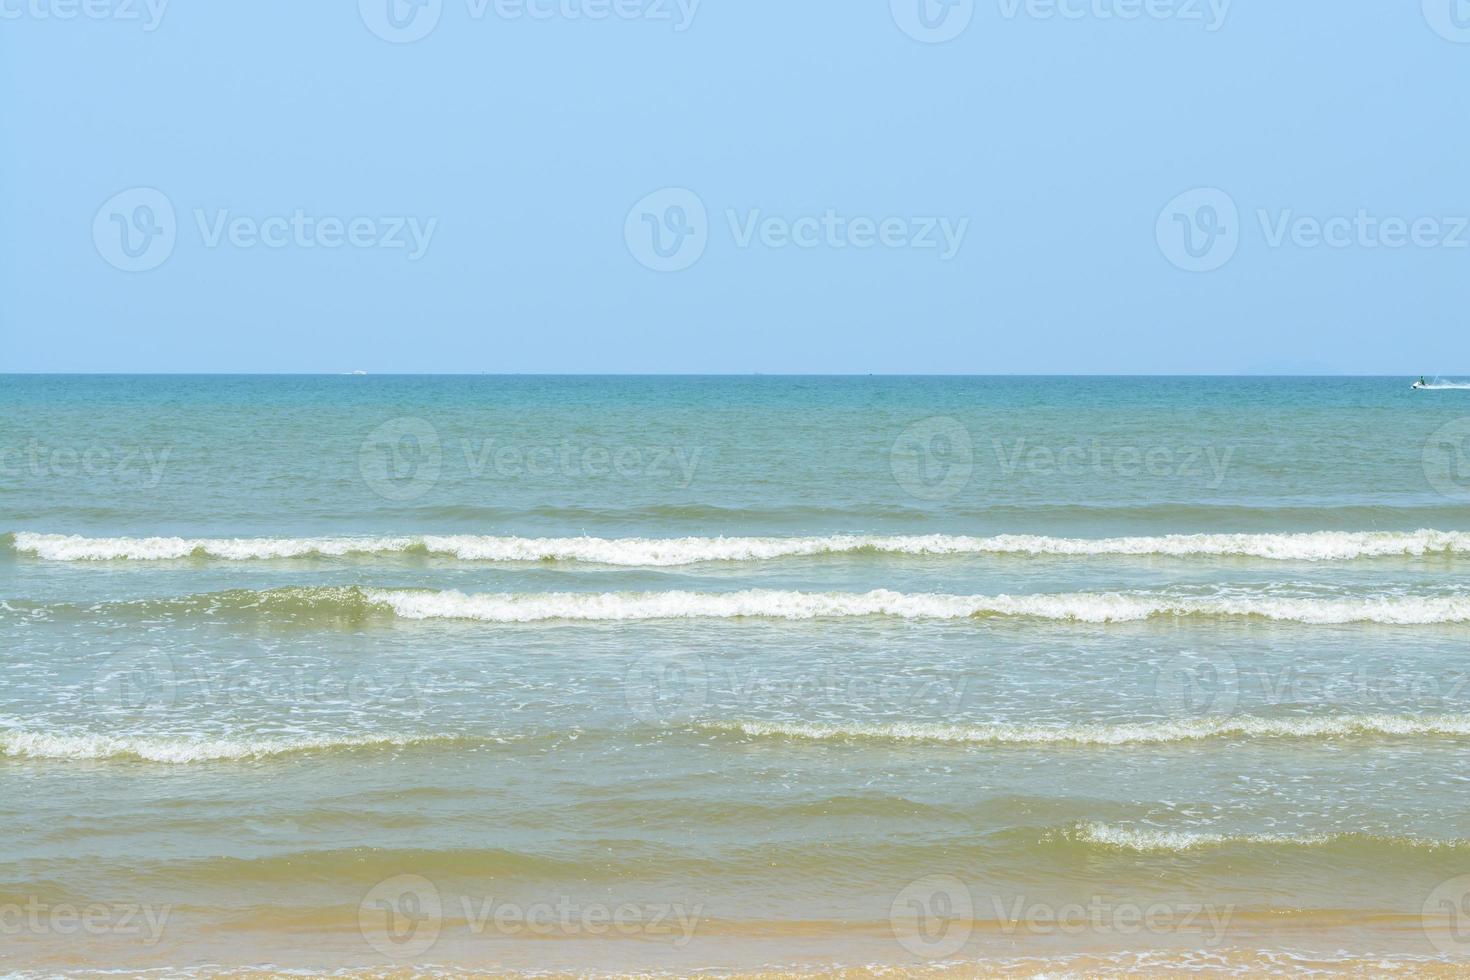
[[1082, 607], [1139, 733], [357, 604], [1313, 546], [1155, 840], [185, 749]]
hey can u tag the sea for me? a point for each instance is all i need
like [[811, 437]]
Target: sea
[[853, 676]]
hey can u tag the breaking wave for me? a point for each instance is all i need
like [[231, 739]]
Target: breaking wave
[[357, 604], [1079, 607], [1140, 733], [186, 749], [1147, 840], [666, 552]]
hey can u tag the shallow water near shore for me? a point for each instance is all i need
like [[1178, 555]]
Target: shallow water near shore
[[768, 676]]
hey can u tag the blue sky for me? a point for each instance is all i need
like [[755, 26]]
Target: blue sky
[[896, 186]]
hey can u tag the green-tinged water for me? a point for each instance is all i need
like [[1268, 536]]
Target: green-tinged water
[[664, 673]]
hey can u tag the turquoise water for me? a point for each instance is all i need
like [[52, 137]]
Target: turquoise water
[[774, 658]]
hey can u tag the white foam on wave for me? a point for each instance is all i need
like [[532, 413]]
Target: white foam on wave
[[1144, 840], [1082, 607], [180, 749], [1149, 839], [73, 547], [666, 552], [1139, 733]]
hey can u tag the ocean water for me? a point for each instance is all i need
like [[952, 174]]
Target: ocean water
[[539, 674]]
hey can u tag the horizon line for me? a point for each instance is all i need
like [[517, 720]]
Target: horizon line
[[676, 374]]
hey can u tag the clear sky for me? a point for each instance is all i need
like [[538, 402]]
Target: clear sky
[[820, 186]]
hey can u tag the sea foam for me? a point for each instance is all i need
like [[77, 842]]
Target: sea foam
[[181, 749], [1145, 840], [1138, 733], [1310, 546], [1082, 607], [361, 604]]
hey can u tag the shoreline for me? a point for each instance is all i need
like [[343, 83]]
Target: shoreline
[[1259, 942]]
